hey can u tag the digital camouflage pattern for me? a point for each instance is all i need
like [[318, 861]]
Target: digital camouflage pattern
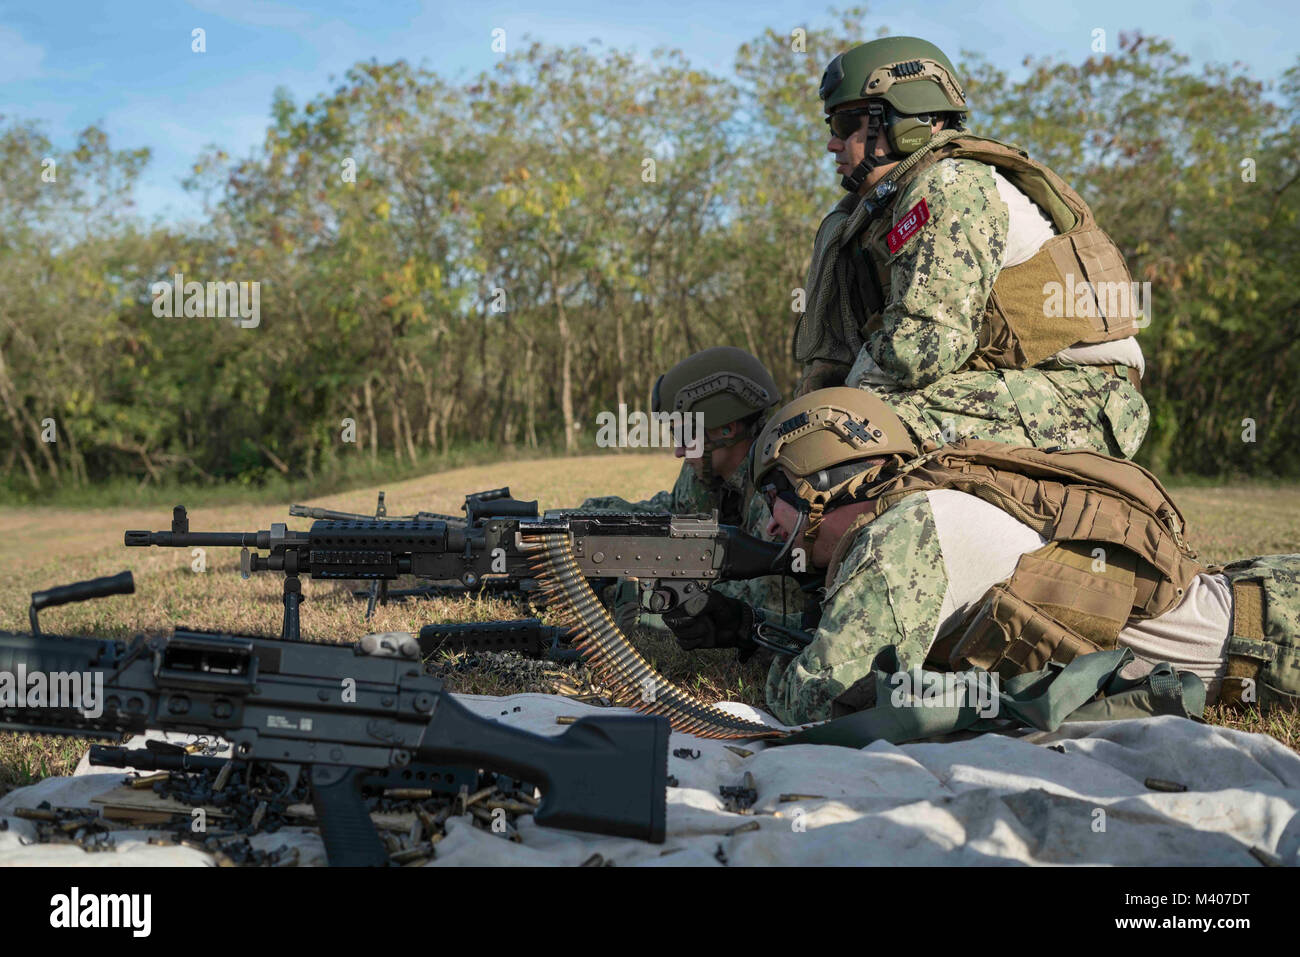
[[941, 278], [1079, 408], [688, 496], [940, 282], [1279, 681], [889, 589]]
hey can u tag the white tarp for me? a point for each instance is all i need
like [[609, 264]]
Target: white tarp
[[987, 800]]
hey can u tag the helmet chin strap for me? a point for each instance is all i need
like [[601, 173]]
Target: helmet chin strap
[[778, 563], [854, 180], [708, 476]]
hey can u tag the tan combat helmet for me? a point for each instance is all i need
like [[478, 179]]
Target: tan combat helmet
[[821, 440], [723, 384]]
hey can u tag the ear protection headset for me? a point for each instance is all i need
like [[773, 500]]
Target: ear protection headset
[[904, 133]]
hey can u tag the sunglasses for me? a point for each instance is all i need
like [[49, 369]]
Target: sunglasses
[[844, 123], [771, 492]]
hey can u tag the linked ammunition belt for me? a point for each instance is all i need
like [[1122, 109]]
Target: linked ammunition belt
[[630, 678]]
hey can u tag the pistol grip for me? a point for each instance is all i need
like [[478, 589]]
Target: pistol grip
[[349, 834]]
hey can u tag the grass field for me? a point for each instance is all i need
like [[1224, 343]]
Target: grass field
[[44, 546]]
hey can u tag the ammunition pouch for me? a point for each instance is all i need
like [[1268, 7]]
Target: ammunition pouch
[[1060, 602], [1256, 664]]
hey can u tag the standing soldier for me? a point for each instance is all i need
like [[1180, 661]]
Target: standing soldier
[[962, 281]]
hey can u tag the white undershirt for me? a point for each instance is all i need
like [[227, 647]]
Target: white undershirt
[[1028, 227], [981, 545]]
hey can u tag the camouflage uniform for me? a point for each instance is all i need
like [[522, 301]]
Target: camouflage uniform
[[890, 588], [689, 496], [1280, 576], [941, 281]]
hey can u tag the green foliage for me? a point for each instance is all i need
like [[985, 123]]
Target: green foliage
[[1164, 154], [625, 211]]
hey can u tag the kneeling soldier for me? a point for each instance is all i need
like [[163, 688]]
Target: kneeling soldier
[[963, 281]]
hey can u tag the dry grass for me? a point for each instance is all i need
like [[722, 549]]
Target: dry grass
[[42, 547], [45, 546], [1227, 522]]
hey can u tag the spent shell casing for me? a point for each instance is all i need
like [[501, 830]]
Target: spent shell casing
[[408, 794], [223, 776], [787, 798], [148, 780], [420, 852], [36, 814], [426, 819]]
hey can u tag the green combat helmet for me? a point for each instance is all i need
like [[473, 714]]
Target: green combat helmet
[[723, 384], [907, 81], [822, 440]]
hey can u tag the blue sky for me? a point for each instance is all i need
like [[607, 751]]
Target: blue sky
[[128, 65]]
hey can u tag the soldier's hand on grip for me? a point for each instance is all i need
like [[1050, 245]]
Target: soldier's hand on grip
[[722, 623]]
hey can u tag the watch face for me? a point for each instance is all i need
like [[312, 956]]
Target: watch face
[[832, 77]]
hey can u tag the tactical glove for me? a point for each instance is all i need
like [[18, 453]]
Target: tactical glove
[[722, 623]]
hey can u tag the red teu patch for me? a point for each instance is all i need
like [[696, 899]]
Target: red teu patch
[[908, 226]]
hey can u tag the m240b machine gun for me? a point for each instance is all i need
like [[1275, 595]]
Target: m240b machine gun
[[338, 713], [675, 558], [496, 502]]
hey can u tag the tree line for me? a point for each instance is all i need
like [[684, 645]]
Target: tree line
[[496, 261]]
